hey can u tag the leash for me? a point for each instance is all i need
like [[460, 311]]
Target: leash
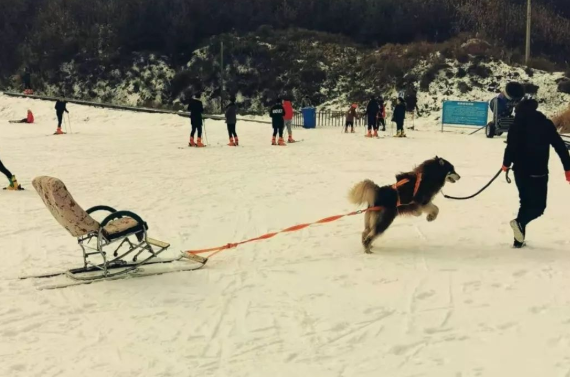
[[193, 254], [484, 188]]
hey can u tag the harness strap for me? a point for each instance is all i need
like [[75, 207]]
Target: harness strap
[[404, 181]]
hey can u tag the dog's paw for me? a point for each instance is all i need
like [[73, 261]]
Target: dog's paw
[[368, 251], [431, 217]]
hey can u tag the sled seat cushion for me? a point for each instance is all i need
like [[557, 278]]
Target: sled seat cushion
[[63, 207], [122, 227]]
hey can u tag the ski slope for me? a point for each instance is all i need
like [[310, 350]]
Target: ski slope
[[446, 299]]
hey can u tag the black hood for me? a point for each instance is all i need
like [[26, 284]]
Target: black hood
[[527, 107]]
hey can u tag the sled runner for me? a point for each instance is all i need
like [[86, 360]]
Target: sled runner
[[119, 244]]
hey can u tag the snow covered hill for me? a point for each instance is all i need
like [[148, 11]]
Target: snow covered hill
[[449, 298]]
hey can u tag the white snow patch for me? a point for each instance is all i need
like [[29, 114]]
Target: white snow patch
[[448, 298]]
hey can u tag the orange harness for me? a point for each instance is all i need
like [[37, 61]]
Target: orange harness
[[399, 184]]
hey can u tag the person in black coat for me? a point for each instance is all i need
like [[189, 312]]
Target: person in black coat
[[196, 110], [399, 117], [231, 120], [372, 111], [277, 114], [27, 80], [528, 151], [60, 108]]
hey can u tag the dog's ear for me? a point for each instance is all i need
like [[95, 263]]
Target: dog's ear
[[441, 162]]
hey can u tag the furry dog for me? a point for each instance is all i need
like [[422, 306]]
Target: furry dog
[[411, 195]]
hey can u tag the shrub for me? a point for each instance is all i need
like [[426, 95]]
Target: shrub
[[542, 64], [479, 70], [461, 73], [562, 121], [463, 87], [564, 86]]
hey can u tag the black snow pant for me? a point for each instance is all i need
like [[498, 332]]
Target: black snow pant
[[372, 124], [278, 129], [59, 119], [400, 125], [382, 121], [196, 127], [232, 130], [533, 191], [5, 171]]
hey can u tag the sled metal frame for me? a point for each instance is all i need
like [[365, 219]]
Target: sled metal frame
[[117, 261]]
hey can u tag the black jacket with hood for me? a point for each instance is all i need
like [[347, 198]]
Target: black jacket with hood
[[372, 109], [231, 113], [529, 141]]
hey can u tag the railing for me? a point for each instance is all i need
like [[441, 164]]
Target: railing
[[328, 118], [325, 118]]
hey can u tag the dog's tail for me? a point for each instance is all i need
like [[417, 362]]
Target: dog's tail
[[363, 192]]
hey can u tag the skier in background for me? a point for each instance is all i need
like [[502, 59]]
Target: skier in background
[[277, 114], [372, 111], [382, 114], [27, 80], [399, 116], [351, 116], [528, 150], [288, 107], [11, 178], [60, 108], [411, 101], [196, 110], [306, 102], [231, 121]]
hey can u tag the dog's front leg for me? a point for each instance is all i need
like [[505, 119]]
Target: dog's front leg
[[432, 211]]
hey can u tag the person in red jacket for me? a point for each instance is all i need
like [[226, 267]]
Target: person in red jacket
[[28, 119], [288, 118]]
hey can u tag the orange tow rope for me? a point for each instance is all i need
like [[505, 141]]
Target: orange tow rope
[[216, 250]]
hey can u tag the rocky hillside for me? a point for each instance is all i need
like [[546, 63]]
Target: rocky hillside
[[329, 69]]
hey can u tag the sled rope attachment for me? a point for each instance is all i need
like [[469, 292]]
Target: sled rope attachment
[[192, 254], [508, 179]]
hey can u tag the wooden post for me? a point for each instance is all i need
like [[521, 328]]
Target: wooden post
[[528, 28]]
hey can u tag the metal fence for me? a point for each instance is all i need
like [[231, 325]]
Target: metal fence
[[328, 118]]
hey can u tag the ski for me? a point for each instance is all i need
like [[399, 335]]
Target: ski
[[137, 274], [92, 269], [19, 189]]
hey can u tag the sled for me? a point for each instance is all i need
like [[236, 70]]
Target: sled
[[117, 247]]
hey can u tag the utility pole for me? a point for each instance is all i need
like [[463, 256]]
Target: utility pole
[[222, 76], [528, 24]]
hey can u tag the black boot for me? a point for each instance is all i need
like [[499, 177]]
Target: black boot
[[519, 233]]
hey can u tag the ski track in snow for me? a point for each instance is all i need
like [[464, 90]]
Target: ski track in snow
[[448, 298]]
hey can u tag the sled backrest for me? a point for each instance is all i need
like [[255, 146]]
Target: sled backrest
[[63, 207]]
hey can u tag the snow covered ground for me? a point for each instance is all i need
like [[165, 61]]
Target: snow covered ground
[[449, 298]]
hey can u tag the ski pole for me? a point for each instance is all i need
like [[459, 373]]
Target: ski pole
[[69, 121], [205, 133], [65, 124]]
